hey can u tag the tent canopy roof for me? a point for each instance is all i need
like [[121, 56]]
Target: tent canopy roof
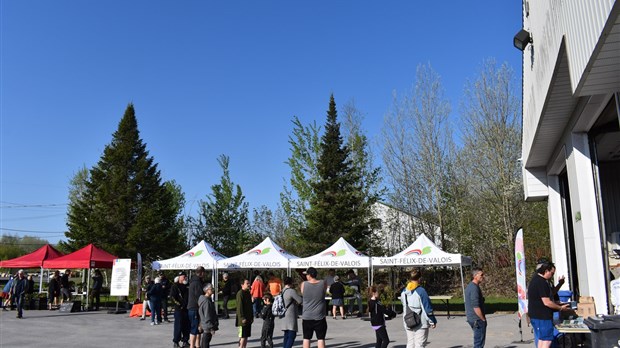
[[422, 252], [267, 254], [34, 259], [88, 257], [202, 254], [341, 254]]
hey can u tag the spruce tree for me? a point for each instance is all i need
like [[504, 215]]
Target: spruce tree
[[338, 207], [125, 208], [223, 220]]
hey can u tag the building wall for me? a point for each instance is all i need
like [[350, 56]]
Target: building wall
[[580, 24], [558, 110]]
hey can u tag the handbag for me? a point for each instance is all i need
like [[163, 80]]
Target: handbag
[[412, 319]]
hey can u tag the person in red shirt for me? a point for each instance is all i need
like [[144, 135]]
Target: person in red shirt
[[257, 291], [274, 284]]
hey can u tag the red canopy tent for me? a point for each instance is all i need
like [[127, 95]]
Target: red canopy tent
[[88, 257], [33, 260]]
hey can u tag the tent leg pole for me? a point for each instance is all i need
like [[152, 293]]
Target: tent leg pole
[[462, 280], [41, 280]]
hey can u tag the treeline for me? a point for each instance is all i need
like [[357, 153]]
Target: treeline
[[457, 174]]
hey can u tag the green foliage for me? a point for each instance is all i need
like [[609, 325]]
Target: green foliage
[[339, 207], [12, 246], [305, 147], [223, 218], [122, 206]]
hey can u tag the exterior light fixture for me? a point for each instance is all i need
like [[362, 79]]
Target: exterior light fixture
[[522, 39]]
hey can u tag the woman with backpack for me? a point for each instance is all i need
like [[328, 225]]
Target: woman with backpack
[[415, 298], [289, 322]]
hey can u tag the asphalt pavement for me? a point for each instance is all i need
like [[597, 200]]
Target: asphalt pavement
[[43, 328]]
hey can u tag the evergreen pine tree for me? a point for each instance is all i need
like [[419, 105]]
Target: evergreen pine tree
[[124, 207], [338, 208], [223, 220]]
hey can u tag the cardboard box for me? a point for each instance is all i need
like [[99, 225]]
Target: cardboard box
[[586, 299], [586, 310]]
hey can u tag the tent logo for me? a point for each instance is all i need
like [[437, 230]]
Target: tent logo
[[424, 251], [340, 252], [259, 252], [192, 254]]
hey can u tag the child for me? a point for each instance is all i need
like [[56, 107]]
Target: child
[[377, 316], [266, 337]]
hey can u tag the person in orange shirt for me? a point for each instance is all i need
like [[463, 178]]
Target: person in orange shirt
[[257, 291], [274, 284]]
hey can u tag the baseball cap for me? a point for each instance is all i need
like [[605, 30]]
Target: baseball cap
[[311, 271]]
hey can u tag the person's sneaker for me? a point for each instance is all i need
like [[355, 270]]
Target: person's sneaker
[[175, 345], [143, 318], [153, 323]]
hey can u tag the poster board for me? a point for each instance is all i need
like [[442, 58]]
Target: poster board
[[120, 277]]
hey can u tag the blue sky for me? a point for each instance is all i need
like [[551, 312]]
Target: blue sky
[[210, 78]]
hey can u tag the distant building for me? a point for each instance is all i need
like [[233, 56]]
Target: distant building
[[571, 134], [399, 229]]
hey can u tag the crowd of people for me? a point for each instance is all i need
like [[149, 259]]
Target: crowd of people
[[196, 318]]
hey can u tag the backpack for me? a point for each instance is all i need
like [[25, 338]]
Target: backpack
[[279, 308]]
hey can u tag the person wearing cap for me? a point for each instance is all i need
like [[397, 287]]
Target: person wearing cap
[[178, 295], [245, 315], [337, 292], [20, 285], [195, 290], [313, 316], [208, 316], [540, 306]]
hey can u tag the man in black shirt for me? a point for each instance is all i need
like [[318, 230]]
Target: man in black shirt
[[541, 306], [195, 290], [179, 296]]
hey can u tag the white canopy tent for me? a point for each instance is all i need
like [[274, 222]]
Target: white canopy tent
[[340, 255], [423, 252], [202, 254], [265, 255]]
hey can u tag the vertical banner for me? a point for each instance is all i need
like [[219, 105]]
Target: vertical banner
[[520, 268], [139, 281], [121, 270]]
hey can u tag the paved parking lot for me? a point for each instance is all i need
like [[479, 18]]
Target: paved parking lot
[[100, 329]]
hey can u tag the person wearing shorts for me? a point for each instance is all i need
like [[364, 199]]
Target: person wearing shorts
[[541, 306], [245, 313], [313, 316]]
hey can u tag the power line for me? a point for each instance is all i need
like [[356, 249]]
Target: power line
[[14, 205], [29, 231]]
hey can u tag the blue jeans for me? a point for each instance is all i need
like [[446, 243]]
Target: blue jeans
[[480, 332], [257, 306], [19, 302], [155, 309], [289, 338]]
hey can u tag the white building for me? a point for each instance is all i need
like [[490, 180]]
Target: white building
[[571, 134], [399, 229]]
